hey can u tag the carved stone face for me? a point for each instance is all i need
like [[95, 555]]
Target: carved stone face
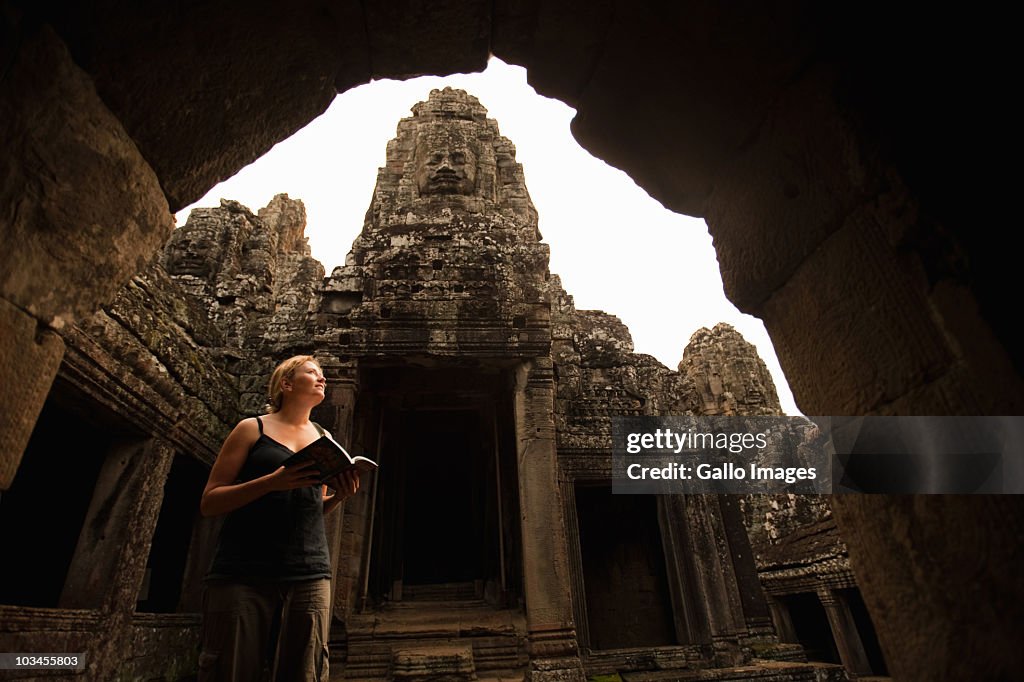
[[192, 254], [445, 167]]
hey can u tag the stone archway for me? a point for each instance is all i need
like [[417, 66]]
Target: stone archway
[[804, 135]]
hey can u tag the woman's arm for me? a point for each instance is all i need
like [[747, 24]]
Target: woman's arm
[[223, 495]]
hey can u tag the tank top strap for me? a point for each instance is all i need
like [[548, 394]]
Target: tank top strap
[[259, 423], [319, 429]]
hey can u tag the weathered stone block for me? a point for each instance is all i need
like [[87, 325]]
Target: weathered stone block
[[260, 71], [787, 190], [441, 663], [83, 210], [910, 589], [414, 37], [672, 134], [571, 34], [28, 363], [876, 336]]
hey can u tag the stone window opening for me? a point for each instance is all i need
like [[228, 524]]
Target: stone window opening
[[63, 517], [811, 627], [866, 629], [180, 551]]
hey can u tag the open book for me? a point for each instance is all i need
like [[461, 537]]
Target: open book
[[330, 458]]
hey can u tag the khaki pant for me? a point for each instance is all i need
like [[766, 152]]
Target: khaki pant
[[239, 624]]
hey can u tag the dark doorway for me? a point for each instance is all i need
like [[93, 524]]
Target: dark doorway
[[165, 569], [866, 630], [443, 534], [624, 575], [437, 506], [42, 514], [812, 629]]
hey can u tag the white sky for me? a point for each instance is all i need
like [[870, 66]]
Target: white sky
[[615, 248]]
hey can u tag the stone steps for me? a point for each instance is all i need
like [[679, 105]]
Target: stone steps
[[757, 671], [451, 640], [465, 591]]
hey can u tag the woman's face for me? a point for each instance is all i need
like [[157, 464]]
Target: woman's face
[[307, 380]]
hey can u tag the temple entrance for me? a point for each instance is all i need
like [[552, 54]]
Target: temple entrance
[[440, 542], [624, 573], [443, 519], [442, 479]]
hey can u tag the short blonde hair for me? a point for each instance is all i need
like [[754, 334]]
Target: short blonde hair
[[275, 392]]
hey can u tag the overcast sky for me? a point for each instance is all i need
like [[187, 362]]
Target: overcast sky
[[615, 248]]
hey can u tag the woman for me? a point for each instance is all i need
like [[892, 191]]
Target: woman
[[271, 571]]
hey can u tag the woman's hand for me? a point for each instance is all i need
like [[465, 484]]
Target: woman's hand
[[290, 478], [345, 485]]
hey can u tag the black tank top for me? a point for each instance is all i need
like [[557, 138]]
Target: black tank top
[[279, 536]]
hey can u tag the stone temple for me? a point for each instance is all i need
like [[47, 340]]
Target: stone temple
[[489, 545]]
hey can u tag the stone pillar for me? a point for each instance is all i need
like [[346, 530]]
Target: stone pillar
[[121, 517], [862, 294], [715, 577], [783, 621], [844, 632], [337, 413], [691, 614], [554, 653], [110, 559], [752, 599]]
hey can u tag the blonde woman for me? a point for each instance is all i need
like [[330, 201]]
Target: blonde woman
[[266, 602]]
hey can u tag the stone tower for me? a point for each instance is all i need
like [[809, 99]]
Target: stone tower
[[459, 361], [449, 262]]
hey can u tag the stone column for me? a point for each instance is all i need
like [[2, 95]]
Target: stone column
[[844, 632], [110, 559], [783, 620], [337, 412], [117, 530], [690, 611], [715, 577], [554, 653], [752, 598]]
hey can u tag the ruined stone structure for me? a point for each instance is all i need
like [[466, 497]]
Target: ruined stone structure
[[145, 393], [490, 544], [835, 150], [459, 360], [802, 562]]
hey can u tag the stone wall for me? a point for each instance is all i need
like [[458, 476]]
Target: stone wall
[[253, 277], [144, 379]]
